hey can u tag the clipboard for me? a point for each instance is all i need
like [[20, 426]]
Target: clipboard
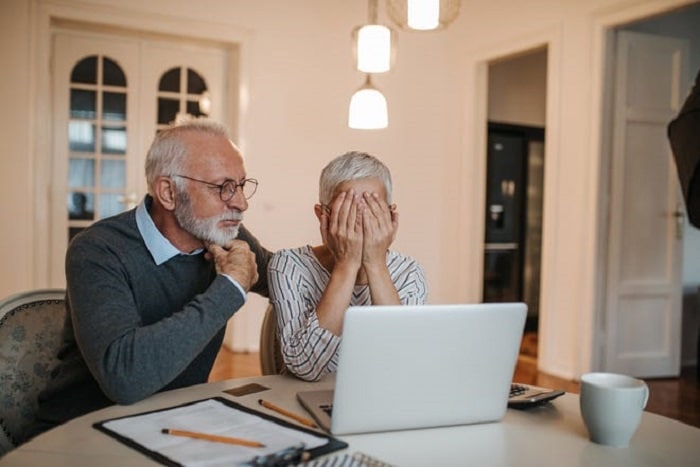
[[142, 432]]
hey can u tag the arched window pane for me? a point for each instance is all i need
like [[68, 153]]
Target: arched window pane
[[110, 204], [81, 206], [113, 174], [114, 106], [193, 109], [170, 81], [178, 99], [113, 140], [167, 110], [81, 136], [82, 104], [81, 173], [85, 71], [112, 74], [195, 83]]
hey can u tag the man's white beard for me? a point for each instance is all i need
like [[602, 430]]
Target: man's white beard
[[207, 229]]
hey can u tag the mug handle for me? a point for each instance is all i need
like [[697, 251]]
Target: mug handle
[[646, 396]]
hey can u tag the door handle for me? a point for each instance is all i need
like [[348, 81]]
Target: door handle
[[679, 215]]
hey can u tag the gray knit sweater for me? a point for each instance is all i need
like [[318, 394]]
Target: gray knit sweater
[[135, 328]]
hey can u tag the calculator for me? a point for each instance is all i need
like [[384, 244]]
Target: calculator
[[523, 396]]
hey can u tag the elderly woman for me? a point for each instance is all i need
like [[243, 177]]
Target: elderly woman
[[312, 286]]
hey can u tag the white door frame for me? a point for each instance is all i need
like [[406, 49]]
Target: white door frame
[[472, 227]]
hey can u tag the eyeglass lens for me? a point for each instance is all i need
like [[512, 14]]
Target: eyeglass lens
[[248, 187]]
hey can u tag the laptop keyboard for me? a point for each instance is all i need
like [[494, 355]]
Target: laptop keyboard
[[517, 389]]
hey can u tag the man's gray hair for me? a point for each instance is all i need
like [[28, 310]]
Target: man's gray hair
[[353, 165], [166, 156]]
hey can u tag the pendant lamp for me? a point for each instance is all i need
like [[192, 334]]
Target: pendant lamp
[[373, 44], [422, 15], [368, 108]]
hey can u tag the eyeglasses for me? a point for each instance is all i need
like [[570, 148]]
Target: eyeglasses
[[227, 190]]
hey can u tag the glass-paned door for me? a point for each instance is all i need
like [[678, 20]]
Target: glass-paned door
[[111, 93], [97, 141]]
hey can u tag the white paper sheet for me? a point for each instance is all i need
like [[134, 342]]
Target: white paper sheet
[[211, 417]]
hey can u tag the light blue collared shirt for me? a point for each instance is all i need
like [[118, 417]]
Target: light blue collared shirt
[[160, 247]]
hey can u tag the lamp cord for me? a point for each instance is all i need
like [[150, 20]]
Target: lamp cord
[[372, 8]]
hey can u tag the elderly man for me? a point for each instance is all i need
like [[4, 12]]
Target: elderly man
[[149, 291]]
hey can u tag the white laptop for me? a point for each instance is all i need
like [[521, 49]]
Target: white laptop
[[403, 367]]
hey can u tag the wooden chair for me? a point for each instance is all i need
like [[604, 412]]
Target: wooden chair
[[31, 325], [271, 361]]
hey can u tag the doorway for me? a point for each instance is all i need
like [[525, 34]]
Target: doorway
[[513, 224], [644, 319], [515, 184]]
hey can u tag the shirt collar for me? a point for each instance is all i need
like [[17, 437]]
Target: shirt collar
[[158, 246]]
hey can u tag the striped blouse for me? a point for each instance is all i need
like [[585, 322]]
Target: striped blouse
[[297, 280]]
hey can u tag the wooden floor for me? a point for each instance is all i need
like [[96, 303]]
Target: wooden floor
[[677, 398]]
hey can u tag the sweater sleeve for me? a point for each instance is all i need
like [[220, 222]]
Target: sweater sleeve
[[262, 258], [134, 352]]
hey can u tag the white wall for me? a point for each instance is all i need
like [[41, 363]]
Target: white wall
[[16, 167], [518, 89], [298, 67]]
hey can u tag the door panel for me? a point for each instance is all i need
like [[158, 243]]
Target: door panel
[[159, 58], [102, 131], [94, 102], [643, 307]]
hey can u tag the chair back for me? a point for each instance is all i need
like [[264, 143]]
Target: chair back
[[271, 361], [31, 325]]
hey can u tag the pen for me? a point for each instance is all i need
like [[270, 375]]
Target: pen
[[215, 438], [298, 418], [287, 456]]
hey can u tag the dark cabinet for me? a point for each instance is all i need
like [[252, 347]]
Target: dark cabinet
[[512, 243]]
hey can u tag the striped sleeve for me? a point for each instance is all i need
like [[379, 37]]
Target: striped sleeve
[[409, 279], [308, 350]]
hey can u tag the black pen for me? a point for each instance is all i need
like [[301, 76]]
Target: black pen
[[291, 455]]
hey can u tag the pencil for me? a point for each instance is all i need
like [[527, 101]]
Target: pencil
[[286, 413], [214, 438]]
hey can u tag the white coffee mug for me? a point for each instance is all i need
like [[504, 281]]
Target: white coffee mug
[[611, 407]]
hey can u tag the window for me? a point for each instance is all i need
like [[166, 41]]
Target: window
[[182, 92], [97, 140]]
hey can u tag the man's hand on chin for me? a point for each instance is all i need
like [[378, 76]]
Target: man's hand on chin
[[236, 260]]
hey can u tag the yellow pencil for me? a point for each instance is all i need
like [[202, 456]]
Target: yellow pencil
[[286, 413], [214, 438]]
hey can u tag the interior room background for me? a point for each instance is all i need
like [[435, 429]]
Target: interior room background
[[289, 79]]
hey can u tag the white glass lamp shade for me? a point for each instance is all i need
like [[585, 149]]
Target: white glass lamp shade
[[373, 48], [368, 109], [423, 15]]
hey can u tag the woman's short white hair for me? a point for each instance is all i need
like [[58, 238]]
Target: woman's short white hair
[[353, 165], [166, 156]]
